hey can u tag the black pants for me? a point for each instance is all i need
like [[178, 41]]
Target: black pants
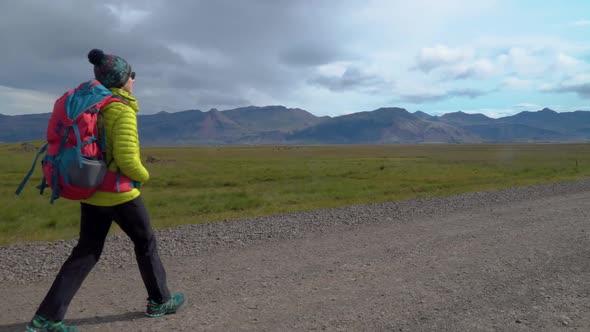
[[95, 223]]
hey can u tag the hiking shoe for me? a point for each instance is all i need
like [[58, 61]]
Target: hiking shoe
[[155, 309], [40, 324]]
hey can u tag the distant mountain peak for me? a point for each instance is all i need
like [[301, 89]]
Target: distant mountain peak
[[275, 107], [547, 110], [392, 109], [421, 113], [461, 114], [252, 108], [425, 116]]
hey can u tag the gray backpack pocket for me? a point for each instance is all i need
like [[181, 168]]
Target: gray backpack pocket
[[90, 175]]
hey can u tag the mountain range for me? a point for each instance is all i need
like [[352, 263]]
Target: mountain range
[[280, 125]]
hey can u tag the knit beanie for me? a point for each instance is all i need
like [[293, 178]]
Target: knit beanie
[[110, 70]]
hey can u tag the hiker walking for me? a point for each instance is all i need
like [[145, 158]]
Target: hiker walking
[[117, 199]]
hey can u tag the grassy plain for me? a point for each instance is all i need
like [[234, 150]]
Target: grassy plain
[[202, 184]]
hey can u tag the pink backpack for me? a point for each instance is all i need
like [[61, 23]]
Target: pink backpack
[[74, 166]]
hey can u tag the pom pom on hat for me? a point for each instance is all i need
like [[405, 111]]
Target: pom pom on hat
[[95, 56], [110, 70]]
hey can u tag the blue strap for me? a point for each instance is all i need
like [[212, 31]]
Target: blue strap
[[55, 188], [64, 140], [88, 141], [54, 185], [28, 176], [78, 144], [43, 185], [59, 126], [55, 194]]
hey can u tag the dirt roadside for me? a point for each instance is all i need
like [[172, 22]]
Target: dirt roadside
[[523, 266]]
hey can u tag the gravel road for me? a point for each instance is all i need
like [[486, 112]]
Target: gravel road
[[511, 260]]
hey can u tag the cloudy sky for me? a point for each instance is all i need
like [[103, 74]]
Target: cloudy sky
[[496, 57]]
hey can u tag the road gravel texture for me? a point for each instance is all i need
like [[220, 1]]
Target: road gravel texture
[[510, 260]]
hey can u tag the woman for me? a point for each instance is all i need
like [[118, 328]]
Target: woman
[[120, 201]]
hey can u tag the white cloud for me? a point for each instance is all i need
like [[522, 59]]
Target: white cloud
[[534, 43], [522, 62], [582, 23], [334, 68], [419, 95], [581, 78], [470, 63], [195, 55], [456, 63], [128, 16], [567, 61], [417, 19], [546, 87], [527, 107], [481, 68], [430, 58], [492, 112], [516, 83], [567, 65], [21, 101]]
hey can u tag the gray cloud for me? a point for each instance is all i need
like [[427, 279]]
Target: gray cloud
[[307, 54], [582, 90], [233, 47], [422, 98], [223, 100], [352, 79], [434, 97], [48, 51], [465, 74], [470, 93]]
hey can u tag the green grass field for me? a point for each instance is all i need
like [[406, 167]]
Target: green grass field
[[202, 184]]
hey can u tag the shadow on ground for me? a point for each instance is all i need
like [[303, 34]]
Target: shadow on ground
[[82, 321]]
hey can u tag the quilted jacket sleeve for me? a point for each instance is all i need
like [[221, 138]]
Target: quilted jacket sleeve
[[126, 145]]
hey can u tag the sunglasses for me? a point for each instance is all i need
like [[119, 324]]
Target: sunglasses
[[132, 75]]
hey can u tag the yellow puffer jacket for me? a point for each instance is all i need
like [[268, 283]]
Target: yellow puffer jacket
[[122, 143]]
